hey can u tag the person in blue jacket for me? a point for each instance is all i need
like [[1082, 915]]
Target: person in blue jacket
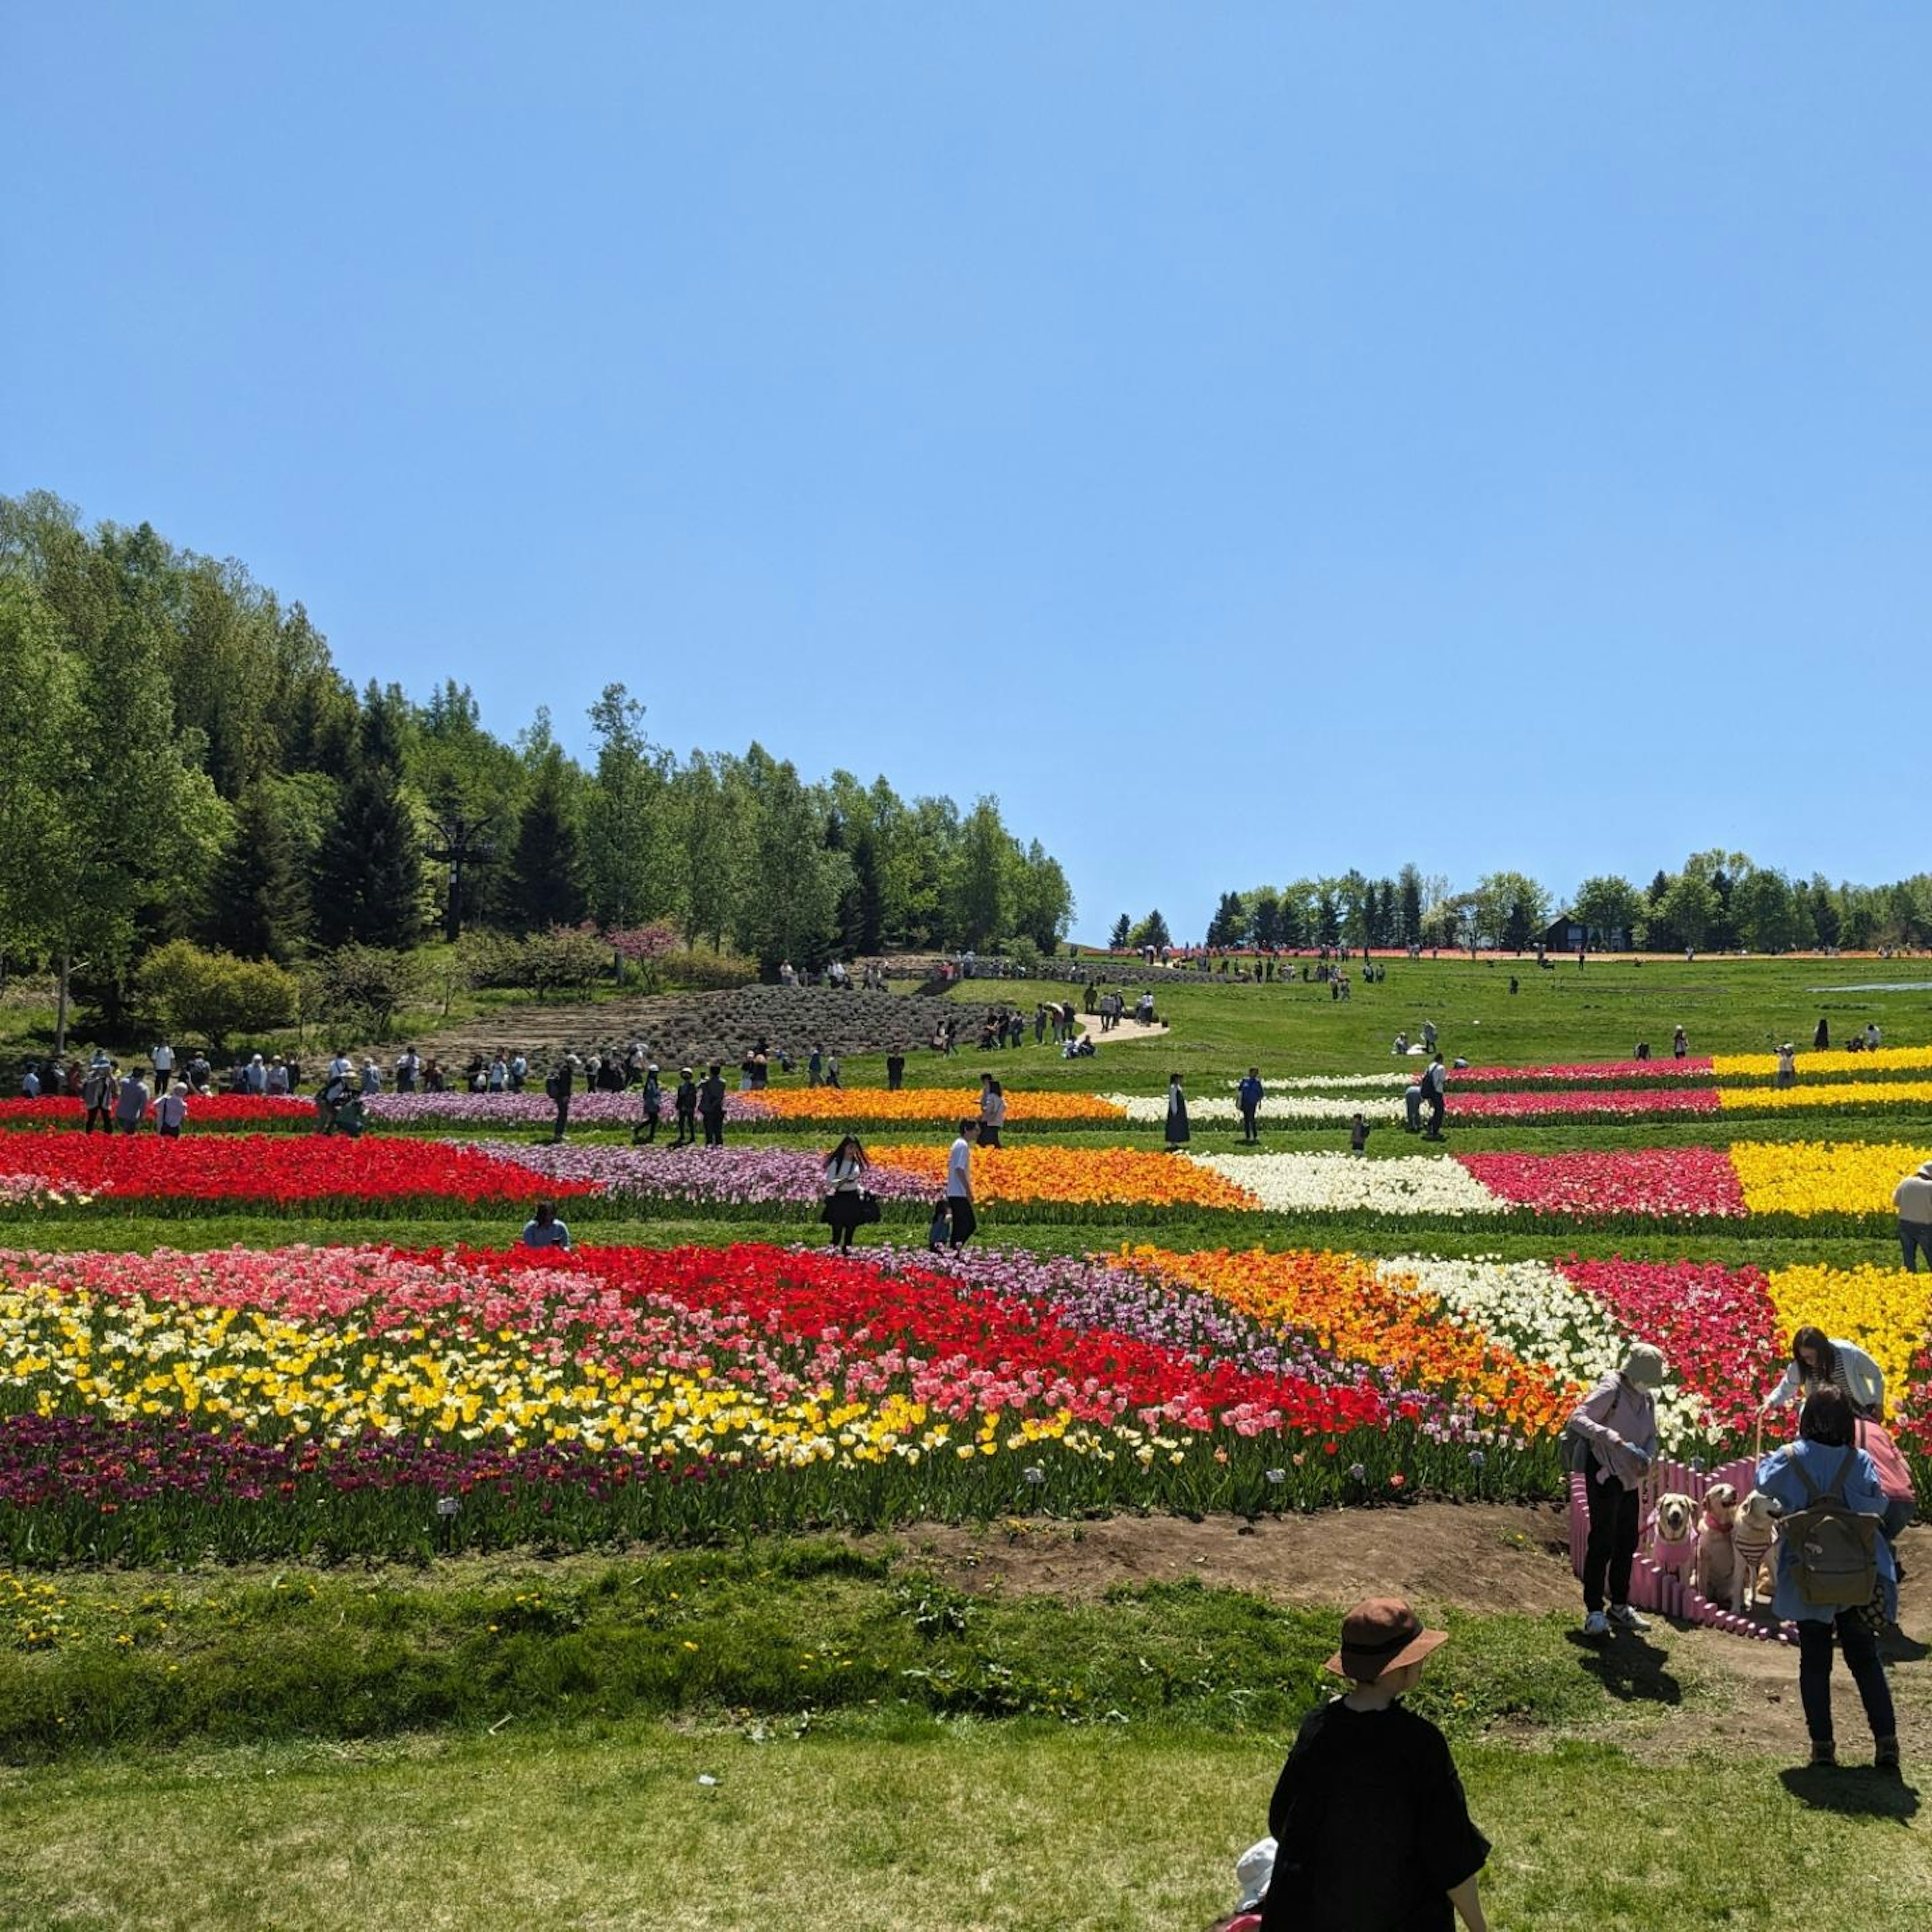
[[1827, 1452], [1248, 1093]]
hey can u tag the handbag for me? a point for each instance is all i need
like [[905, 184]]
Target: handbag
[[869, 1210]]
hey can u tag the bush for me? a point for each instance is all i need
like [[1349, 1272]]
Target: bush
[[200, 995], [364, 988], [567, 959], [693, 970]]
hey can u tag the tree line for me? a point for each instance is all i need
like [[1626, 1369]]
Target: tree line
[[1717, 901], [189, 764]]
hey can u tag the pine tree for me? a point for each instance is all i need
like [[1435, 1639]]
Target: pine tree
[[1123, 932], [546, 885], [258, 901], [369, 872]]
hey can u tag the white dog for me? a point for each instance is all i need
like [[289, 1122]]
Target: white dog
[[1753, 1538], [1673, 1533], [1717, 1558]]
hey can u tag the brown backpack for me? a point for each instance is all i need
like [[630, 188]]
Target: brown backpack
[[1833, 1549]]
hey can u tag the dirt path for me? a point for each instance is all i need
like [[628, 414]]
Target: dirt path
[[1123, 1028], [1690, 1690]]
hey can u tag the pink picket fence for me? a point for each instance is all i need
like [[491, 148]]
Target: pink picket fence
[[1663, 1591]]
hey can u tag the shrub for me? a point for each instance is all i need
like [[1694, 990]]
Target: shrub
[[695, 970], [211, 996], [364, 988], [568, 958]]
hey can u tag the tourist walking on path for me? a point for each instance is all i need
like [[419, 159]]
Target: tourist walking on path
[[845, 1197], [1913, 1198], [1825, 1466], [651, 1106], [562, 1079], [959, 1184], [1819, 1360], [1435, 1096], [992, 1111], [1611, 1440], [1372, 1829], [131, 1103], [1249, 1094], [171, 1110], [687, 1107], [711, 1105], [1177, 1114], [543, 1230], [96, 1090]]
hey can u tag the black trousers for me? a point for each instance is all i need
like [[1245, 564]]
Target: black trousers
[[714, 1129], [1612, 1549], [1248, 1123], [1435, 1103], [1814, 1675], [960, 1206], [687, 1129]]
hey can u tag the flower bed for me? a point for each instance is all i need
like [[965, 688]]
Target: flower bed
[[941, 1106], [251, 1113], [1692, 1182], [591, 1109]]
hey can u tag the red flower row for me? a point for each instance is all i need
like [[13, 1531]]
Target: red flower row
[[1630, 1180], [204, 1110]]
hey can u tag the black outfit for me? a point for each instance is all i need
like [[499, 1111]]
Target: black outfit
[[894, 1071], [1433, 1098], [1821, 1039], [959, 1208], [1372, 1827], [711, 1107], [1612, 1548], [687, 1112], [561, 1082]]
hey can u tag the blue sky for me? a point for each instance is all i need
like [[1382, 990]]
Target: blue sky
[[1249, 440]]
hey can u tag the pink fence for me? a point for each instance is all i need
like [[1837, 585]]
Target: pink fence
[[1663, 1591]]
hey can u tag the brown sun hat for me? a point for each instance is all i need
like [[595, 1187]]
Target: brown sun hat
[[1380, 1635]]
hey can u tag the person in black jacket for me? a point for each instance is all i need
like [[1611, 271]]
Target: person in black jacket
[[711, 1104], [687, 1108], [562, 1079], [1372, 1832]]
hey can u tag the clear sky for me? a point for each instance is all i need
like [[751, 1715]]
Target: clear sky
[[1249, 440]]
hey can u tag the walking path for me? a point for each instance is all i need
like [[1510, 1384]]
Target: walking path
[[1122, 1028]]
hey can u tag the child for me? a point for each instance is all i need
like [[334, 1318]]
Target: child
[[1358, 1135], [939, 1230]]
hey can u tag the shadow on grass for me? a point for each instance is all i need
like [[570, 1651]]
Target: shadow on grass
[[1629, 1669], [1857, 1792]]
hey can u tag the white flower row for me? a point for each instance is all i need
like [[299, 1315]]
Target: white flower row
[[1276, 1107], [1306, 1083], [1286, 1184], [1540, 1314]]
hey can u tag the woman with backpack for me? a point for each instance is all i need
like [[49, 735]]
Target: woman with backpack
[[1836, 1574]]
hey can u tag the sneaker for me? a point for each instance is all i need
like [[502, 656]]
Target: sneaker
[[1624, 1618], [1596, 1624]]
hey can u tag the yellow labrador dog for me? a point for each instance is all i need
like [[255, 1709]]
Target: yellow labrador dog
[[1753, 1538], [1717, 1559], [1673, 1533]]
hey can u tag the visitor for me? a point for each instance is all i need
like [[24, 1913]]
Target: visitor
[[939, 1229], [1512, 982], [519, 1072], [30, 1082], [1371, 1828], [1826, 1462], [1871, 1037], [1248, 1095], [959, 1185], [559, 1086], [711, 1105], [1429, 1036], [435, 1080], [1820, 1361], [1611, 1441], [164, 1057], [686, 1101], [1411, 1108], [171, 1110], [543, 1230], [832, 1069], [814, 1067], [894, 1071], [1643, 1050], [651, 1105], [1177, 1114], [497, 1080], [1401, 1046], [1821, 1039], [1787, 1066], [845, 1197], [409, 1064], [992, 1110], [1680, 1045], [787, 974], [1435, 1093], [131, 1102], [1913, 1198], [1895, 1478], [279, 1081], [1358, 1135], [255, 1075]]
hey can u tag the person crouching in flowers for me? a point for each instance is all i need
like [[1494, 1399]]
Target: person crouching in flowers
[[543, 1230], [1372, 1829], [1611, 1441], [845, 1191]]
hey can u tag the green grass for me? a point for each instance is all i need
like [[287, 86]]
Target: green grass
[[984, 1827]]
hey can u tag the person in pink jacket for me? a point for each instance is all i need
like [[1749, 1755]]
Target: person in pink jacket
[[1611, 1439], [1901, 1500]]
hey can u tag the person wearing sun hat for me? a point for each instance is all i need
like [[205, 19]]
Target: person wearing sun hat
[[1371, 1830], [1611, 1441], [1913, 1198]]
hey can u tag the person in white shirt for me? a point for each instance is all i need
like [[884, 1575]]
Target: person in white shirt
[[164, 1057], [1821, 1361], [341, 1067], [845, 1189], [30, 1083], [255, 1080], [1913, 1198], [992, 1111], [171, 1110], [1871, 1037], [959, 1184]]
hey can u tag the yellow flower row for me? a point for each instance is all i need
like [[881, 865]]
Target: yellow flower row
[[1823, 1177], [1880, 1059], [1831, 1093]]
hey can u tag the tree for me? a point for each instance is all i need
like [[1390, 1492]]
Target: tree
[[369, 872], [1229, 926], [1510, 908], [258, 901], [1608, 906], [362, 988], [469, 783], [1263, 926], [1153, 931], [1689, 909], [1327, 915], [1121, 937], [1408, 914], [41, 687], [1822, 910], [789, 904], [1762, 913], [1042, 900], [629, 838], [713, 810], [981, 894], [545, 883], [213, 996]]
